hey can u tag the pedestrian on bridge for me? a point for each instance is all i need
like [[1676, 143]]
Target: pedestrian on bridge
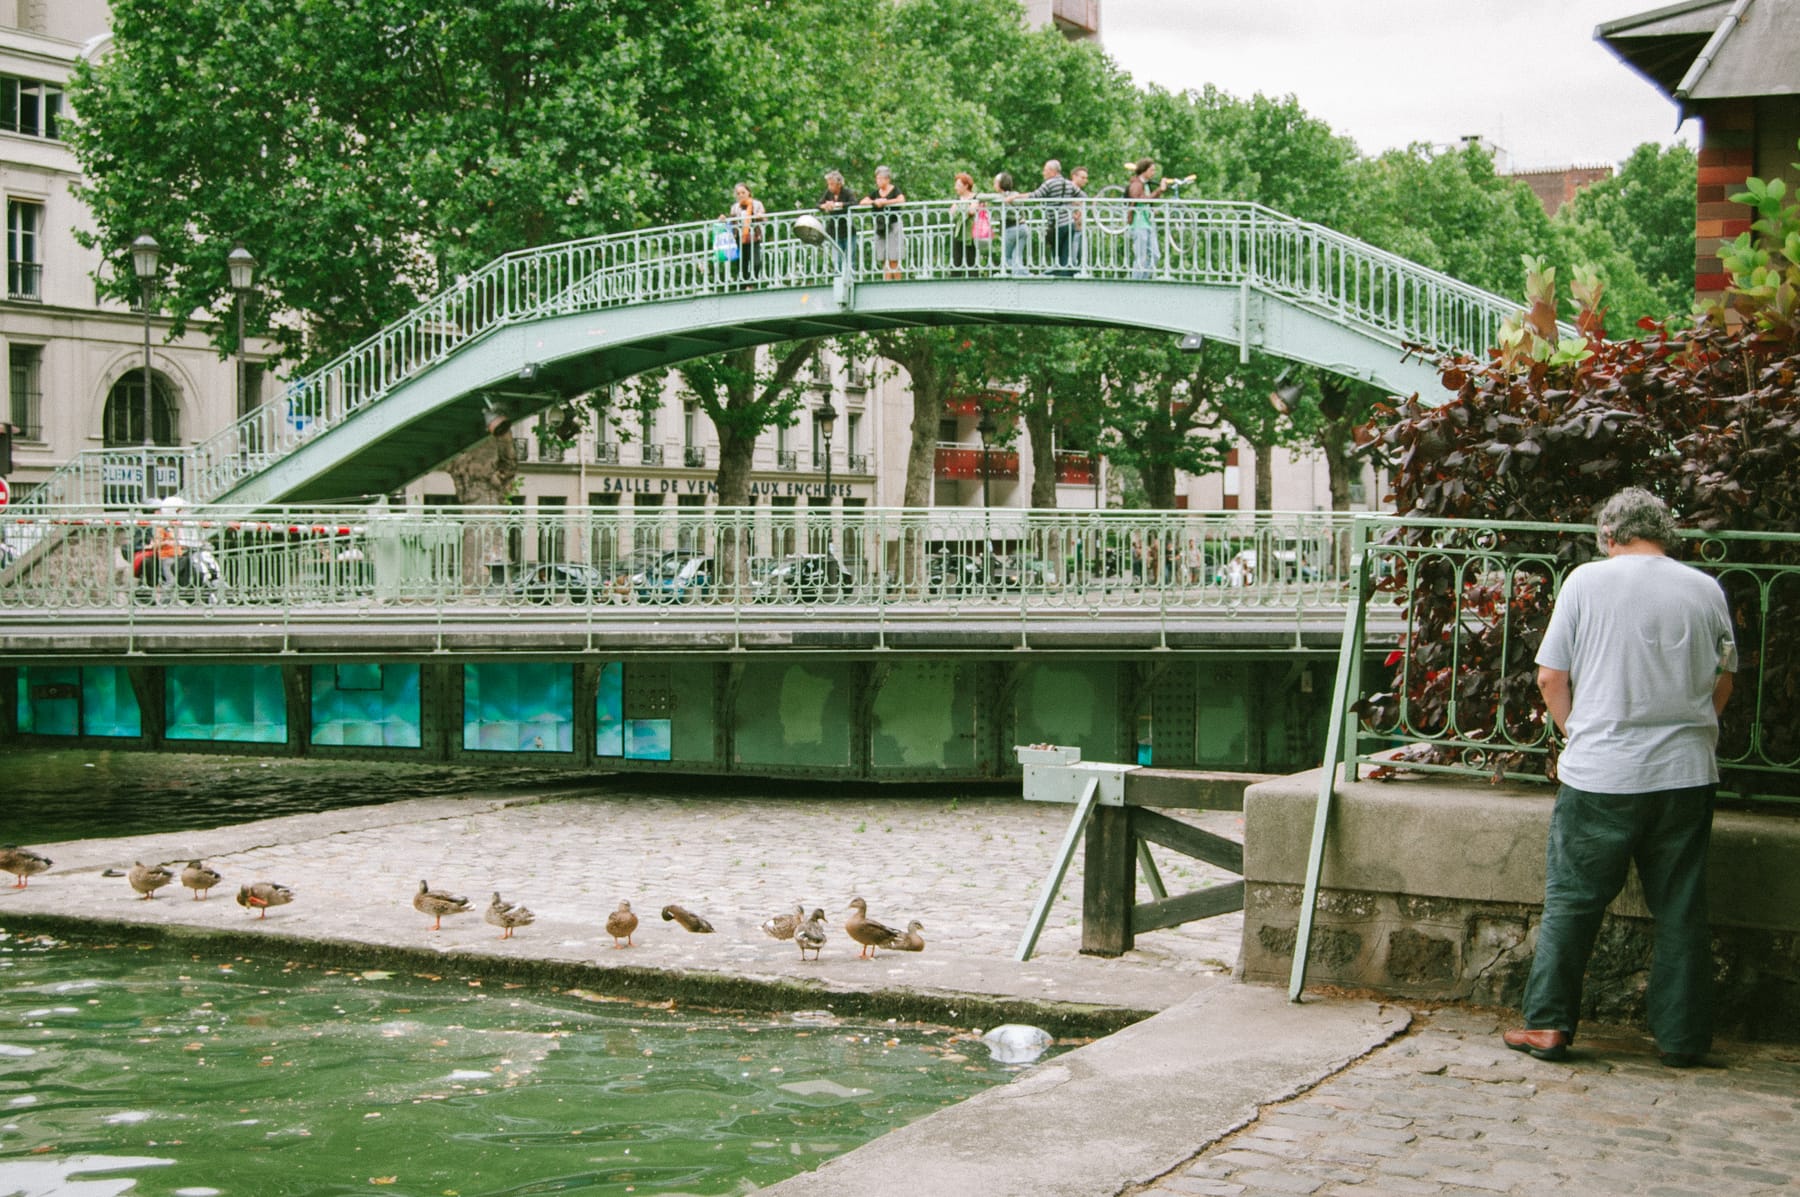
[[1143, 186], [884, 198], [1635, 668], [964, 210], [748, 218], [1012, 237], [1059, 232], [1083, 234], [836, 204]]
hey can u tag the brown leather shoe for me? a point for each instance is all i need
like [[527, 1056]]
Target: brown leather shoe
[[1545, 1045]]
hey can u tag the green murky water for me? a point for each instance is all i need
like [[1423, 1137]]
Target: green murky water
[[134, 1070]]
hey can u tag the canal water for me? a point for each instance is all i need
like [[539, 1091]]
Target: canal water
[[171, 1072]]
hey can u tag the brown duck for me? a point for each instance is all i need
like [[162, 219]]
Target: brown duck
[[620, 924], [200, 877], [908, 940], [437, 903], [260, 895], [783, 926], [688, 919], [811, 935], [866, 931], [22, 863], [147, 879], [507, 916]]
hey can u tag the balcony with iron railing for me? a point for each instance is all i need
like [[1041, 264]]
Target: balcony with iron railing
[[25, 281], [694, 456], [1074, 468], [856, 463], [1076, 16], [787, 459], [606, 453], [957, 462], [551, 453], [650, 455]]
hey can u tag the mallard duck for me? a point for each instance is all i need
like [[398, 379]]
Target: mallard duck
[[200, 878], [687, 919], [866, 931], [782, 926], [507, 916], [437, 904], [147, 879], [22, 863], [620, 924], [908, 940], [811, 934], [261, 895]]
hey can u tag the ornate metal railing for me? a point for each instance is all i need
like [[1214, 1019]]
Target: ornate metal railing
[[1209, 242], [1476, 598], [609, 562]]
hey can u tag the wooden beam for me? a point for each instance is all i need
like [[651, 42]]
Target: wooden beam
[[1186, 908], [1187, 839], [1108, 883], [1177, 789]]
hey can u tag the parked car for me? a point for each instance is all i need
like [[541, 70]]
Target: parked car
[[1284, 565], [805, 578], [958, 573], [561, 581], [676, 580], [1026, 573]]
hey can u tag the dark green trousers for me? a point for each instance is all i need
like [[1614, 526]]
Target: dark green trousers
[[1594, 838]]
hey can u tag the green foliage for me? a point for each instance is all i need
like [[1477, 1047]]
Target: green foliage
[[1765, 267], [1636, 229]]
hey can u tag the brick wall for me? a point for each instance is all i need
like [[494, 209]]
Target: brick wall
[[1727, 159]]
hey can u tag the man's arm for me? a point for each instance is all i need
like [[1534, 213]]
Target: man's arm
[[1721, 692], [1553, 684]]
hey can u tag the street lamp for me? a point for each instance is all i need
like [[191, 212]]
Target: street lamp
[[242, 264], [985, 428], [145, 253], [824, 419]]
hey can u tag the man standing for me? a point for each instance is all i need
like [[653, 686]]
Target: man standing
[[1635, 666], [1059, 233], [1083, 235]]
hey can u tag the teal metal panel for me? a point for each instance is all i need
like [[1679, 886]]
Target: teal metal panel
[[1075, 703], [797, 713], [230, 704], [109, 704], [50, 700], [691, 737], [923, 717], [1222, 737], [366, 705], [518, 706], [609, 711]]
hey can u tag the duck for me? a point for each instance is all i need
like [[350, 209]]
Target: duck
[[783, 926], [508, 916], [908, 940], [22, 863], [811, 934], [200, 878], [260, 895], [620, 924], [147, 879], [866, 931], [437, 904], [688, 919]]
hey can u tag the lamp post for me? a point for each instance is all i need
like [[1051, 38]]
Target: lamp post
[[985, 428], [824, 419], [145, 253], [242, 264]]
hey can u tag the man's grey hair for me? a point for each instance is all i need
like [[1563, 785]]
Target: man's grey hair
[[1053, 166], [1634, 514], [832, 176]]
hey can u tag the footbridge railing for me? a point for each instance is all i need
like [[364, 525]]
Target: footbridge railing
[[1207, 243], [607, 564]]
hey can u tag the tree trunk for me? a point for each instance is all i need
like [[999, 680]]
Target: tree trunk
[[1265, 476], [1038, 425], [1336, 443], [483, 476], [1158, 478]]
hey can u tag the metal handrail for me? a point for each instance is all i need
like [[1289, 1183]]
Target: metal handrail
[[383, 562], [1207, 242]]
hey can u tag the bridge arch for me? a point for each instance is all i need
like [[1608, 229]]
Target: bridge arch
[[538, 327]]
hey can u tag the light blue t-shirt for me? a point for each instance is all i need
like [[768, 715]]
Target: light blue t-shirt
[[1644, 639]]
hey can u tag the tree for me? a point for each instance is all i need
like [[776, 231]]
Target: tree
[[742, 400], [1644, 215]]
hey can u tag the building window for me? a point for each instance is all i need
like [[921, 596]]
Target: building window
[[853, 433], [26, 409], [251, 399], [24, 249], [30, 106], [123, 424], [553, 516]]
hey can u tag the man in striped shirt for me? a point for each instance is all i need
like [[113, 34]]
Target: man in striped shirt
[[1059, 232]]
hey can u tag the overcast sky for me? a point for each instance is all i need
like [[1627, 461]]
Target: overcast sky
[[1526, 74]]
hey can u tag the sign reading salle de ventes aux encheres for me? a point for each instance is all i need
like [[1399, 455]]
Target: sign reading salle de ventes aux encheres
[[613, 485]]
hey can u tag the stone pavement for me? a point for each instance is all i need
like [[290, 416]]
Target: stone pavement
[[1231, 1089], [1448, 1111]]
